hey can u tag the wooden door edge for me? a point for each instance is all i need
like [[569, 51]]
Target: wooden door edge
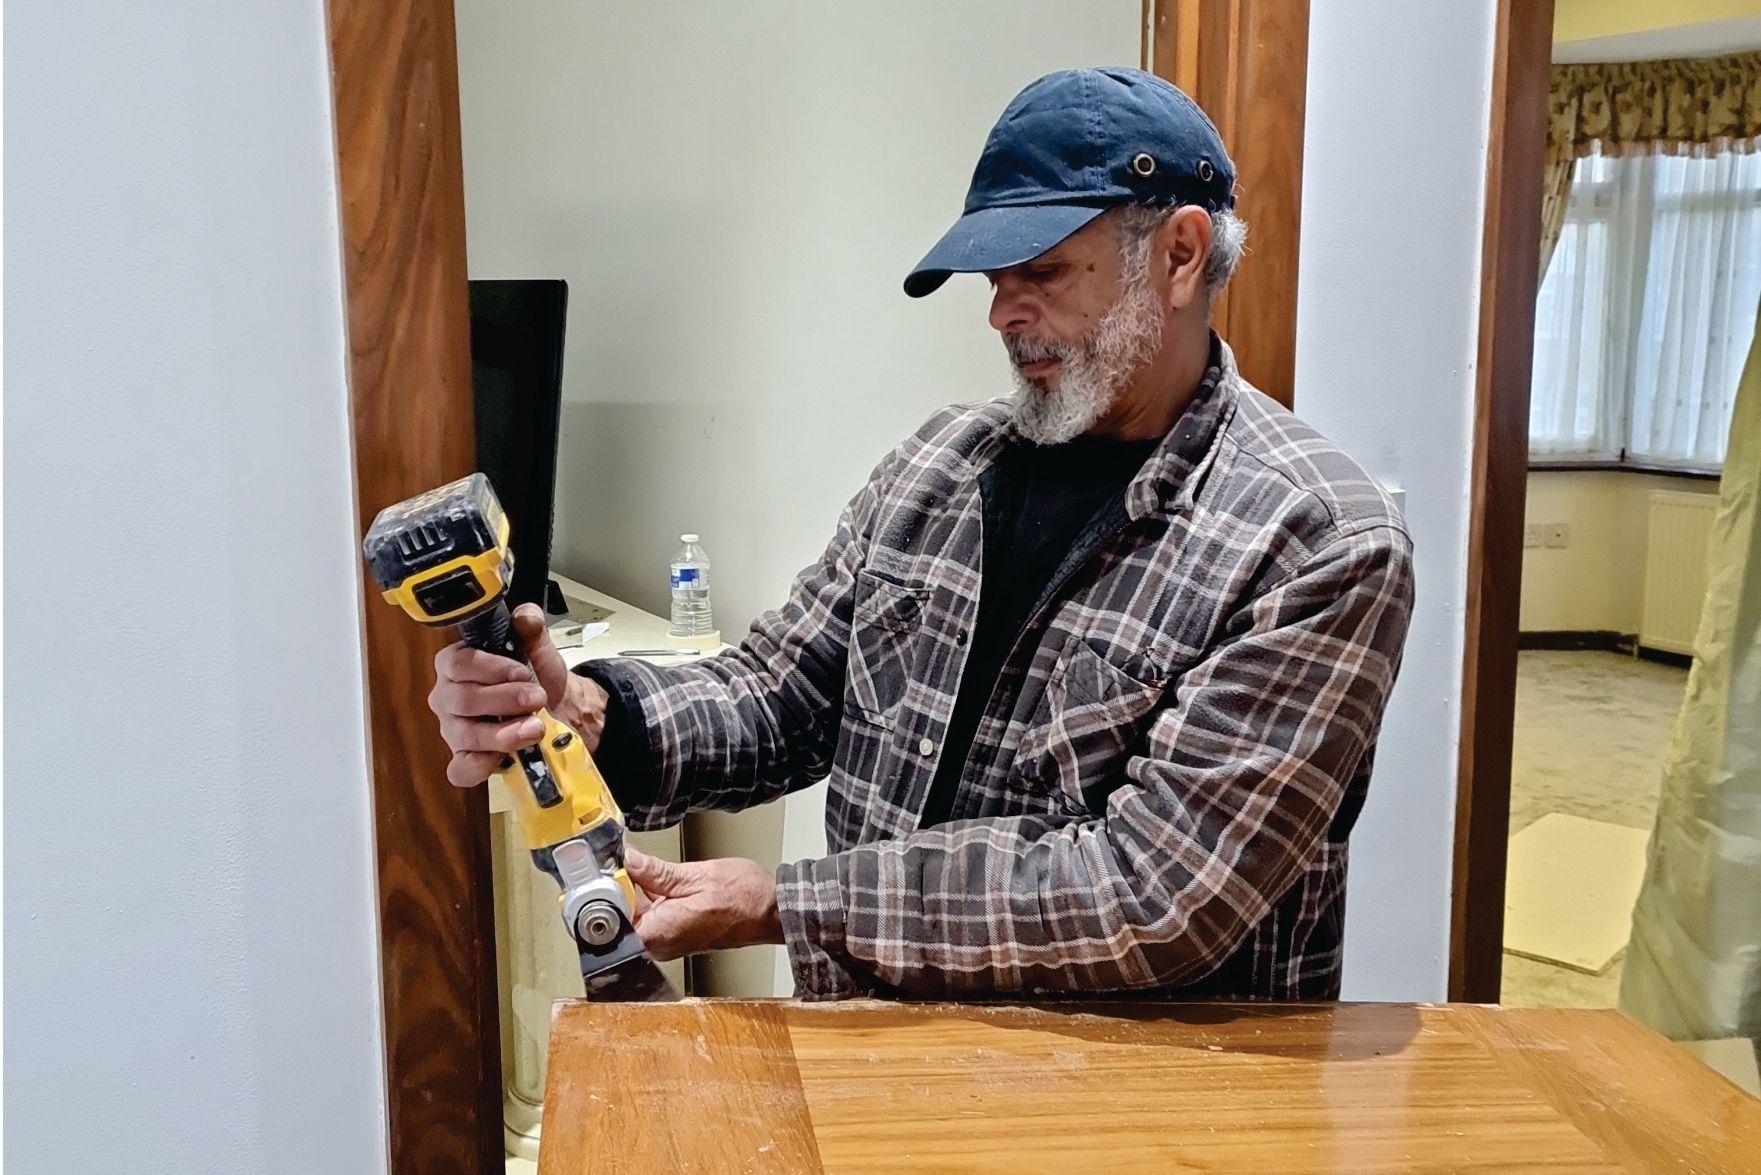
[[1510, 251], [394, 98]]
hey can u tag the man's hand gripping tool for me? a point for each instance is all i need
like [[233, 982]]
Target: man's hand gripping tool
[[443, 557]]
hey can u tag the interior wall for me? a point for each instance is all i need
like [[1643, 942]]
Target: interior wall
[[1578, 20], [735, 194], [191, 953], [1387, 329], [1596, 583]]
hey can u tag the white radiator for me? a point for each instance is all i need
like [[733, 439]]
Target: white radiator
[[1675, 569]]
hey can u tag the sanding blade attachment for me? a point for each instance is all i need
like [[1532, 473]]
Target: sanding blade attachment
[[635, 980], [622, 971]]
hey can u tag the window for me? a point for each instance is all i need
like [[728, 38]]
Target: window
[[1647, 310]]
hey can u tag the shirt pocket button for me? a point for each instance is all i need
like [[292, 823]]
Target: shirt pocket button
[[926, 747]]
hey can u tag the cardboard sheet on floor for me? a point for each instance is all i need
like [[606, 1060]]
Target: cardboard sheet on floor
[[1570, 888]]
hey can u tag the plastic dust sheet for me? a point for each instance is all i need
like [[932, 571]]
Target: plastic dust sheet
[[1693, 968]]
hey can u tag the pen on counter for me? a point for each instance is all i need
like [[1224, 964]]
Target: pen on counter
[[658, 652]]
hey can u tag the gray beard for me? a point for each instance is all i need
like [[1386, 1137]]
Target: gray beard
[[1091, 373]]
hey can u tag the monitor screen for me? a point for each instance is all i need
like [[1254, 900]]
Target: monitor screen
[[517, 379]]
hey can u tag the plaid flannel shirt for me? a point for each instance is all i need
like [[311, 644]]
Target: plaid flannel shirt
[[1158, 796]]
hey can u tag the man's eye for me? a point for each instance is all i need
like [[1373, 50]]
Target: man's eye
[[1044, 273]]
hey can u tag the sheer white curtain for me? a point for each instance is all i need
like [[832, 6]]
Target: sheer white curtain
[[1648, 309]]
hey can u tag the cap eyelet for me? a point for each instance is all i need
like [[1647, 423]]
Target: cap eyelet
[[1205, 171], [1143, 164]]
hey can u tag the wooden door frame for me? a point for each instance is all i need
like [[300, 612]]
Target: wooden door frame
[[1245, 62], [1509, 277], [394, 94]]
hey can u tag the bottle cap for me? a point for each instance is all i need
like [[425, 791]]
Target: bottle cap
[[688, 538]]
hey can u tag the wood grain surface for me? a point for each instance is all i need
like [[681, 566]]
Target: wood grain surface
[[701, 1086], [873, 1087], [1648, 1104], [1246, 63], [394, 71], [1510, 251]]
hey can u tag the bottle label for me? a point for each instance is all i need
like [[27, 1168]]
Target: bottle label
[[684, 576]]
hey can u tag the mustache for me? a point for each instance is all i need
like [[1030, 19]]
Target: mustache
[[1024, 349]]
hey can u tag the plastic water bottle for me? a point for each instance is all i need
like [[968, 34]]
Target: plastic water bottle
[[690, 579]]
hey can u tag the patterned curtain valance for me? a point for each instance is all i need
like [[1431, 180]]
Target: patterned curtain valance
[[1678, 106]]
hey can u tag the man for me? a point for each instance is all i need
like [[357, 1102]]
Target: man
[[1095, 673]]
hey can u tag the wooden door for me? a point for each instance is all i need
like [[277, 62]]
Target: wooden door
[[1246, 63]]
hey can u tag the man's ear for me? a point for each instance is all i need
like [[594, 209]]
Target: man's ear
[[1183, 242]]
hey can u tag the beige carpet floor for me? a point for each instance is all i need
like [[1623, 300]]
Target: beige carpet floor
[[1591, 732]]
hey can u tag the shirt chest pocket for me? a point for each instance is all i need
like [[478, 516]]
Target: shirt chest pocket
[[1091, 714], [884, 627]]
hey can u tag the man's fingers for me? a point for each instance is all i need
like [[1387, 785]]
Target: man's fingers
[[471, 685], [664, 928], [500, 738], [660, 878], [470, 768], [465, 700], [540, 651], [529, 625], [460, 662]]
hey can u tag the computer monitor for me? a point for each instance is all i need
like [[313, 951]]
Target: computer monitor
[[517, 381]]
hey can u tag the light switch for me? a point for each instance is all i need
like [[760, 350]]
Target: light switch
[[1399, 496], [1532, 535]]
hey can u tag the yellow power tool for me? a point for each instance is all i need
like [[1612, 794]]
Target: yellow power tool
[[443, 557]]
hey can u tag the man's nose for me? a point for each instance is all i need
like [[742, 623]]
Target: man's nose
[[1011, 313]]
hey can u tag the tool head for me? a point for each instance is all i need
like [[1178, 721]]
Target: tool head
[[635, 981], [442, 556]]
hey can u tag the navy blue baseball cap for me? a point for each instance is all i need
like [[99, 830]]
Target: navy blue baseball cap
[[1070, 146]]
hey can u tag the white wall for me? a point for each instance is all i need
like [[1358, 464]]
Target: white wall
[[1393, 187], [191, 964], [1596, 583], [735, 194]]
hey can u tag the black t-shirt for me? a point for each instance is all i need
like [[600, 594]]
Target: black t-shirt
[[1037, 500]]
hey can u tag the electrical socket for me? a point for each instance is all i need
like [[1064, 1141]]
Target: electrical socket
[[1532, 535], [1557, 535]]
